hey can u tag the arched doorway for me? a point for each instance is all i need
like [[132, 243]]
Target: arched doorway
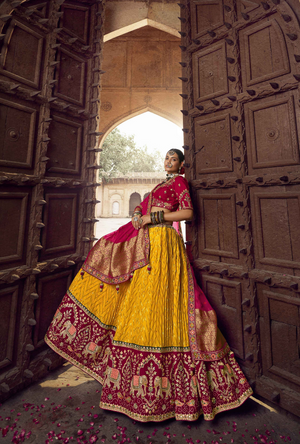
[[135, 199], [240, 89], [146, 195], [115, 208]]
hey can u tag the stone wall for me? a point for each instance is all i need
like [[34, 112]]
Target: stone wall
[[141, 74], [117, 192]]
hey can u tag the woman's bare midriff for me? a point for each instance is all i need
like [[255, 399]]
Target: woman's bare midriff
[[164, 210]]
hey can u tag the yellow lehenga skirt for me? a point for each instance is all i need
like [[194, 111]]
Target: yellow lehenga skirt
[[134, 339]]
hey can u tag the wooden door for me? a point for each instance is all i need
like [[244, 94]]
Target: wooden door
[[241, 74], [49, 102]]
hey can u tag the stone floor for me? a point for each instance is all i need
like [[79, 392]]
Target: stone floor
[[108, 224], [63, 407]]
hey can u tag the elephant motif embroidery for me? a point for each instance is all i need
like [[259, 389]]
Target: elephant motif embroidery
[[228, 374], [92, 349], [68, 330], [58, 315], [113, 376], [139, 383], [162, 385]]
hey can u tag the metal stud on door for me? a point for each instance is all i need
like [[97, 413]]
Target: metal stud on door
[[242, 130]]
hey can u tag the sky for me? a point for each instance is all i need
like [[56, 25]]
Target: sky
[[153, 131]]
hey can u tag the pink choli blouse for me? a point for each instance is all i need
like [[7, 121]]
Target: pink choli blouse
[[172, 195]]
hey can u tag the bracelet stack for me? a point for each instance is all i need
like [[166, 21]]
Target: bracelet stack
[[137, 213], [157, 217]]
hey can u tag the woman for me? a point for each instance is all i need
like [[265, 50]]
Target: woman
[[135, 319]]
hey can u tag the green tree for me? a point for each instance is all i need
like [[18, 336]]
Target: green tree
[[121, 155]]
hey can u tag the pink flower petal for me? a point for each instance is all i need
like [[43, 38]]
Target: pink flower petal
[[80, 432]]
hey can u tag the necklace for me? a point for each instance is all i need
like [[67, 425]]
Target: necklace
[[171, 175]]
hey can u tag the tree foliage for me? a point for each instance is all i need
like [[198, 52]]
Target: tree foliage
[[121, 155]]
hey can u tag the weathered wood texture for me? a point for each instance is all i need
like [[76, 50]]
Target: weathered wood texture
[[240, 79], [50, 70]]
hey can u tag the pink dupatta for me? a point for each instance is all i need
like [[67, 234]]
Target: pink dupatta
[[115, 257]]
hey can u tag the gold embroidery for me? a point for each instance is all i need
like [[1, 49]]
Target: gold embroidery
[[117, 260]]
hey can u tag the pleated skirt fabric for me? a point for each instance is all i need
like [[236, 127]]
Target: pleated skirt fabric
[[134, 339]]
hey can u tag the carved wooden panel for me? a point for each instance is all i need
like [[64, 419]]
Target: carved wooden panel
[[64, 149], [276, 219], [50, 68], [115, 65], [264, 53], [42, 8], [17, 134], [247, 6], [206, 15], [75, 20], [240, 82], [14, 210], [51, 290], [218, 232], [226, 298], [21, 39], [273, 132], [9, 298], [70, 77], [210, 72], [59, 234], [213, 142], [279, 313]]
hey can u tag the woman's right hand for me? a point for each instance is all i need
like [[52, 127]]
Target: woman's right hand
[[135, 221]]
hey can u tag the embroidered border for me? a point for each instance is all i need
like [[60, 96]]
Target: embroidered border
[[180, 416], [147, 418], [196, 353], [127, 344], [147, 348], [125, 277], [73, 361], [90, 314]]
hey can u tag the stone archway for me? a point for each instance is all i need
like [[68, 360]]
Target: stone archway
[[134, 201], [135, 113], [141, 74]]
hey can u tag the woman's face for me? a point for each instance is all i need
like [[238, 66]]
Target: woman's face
[[172, 162]]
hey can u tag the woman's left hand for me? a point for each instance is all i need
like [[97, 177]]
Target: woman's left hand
[[146, 219]]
